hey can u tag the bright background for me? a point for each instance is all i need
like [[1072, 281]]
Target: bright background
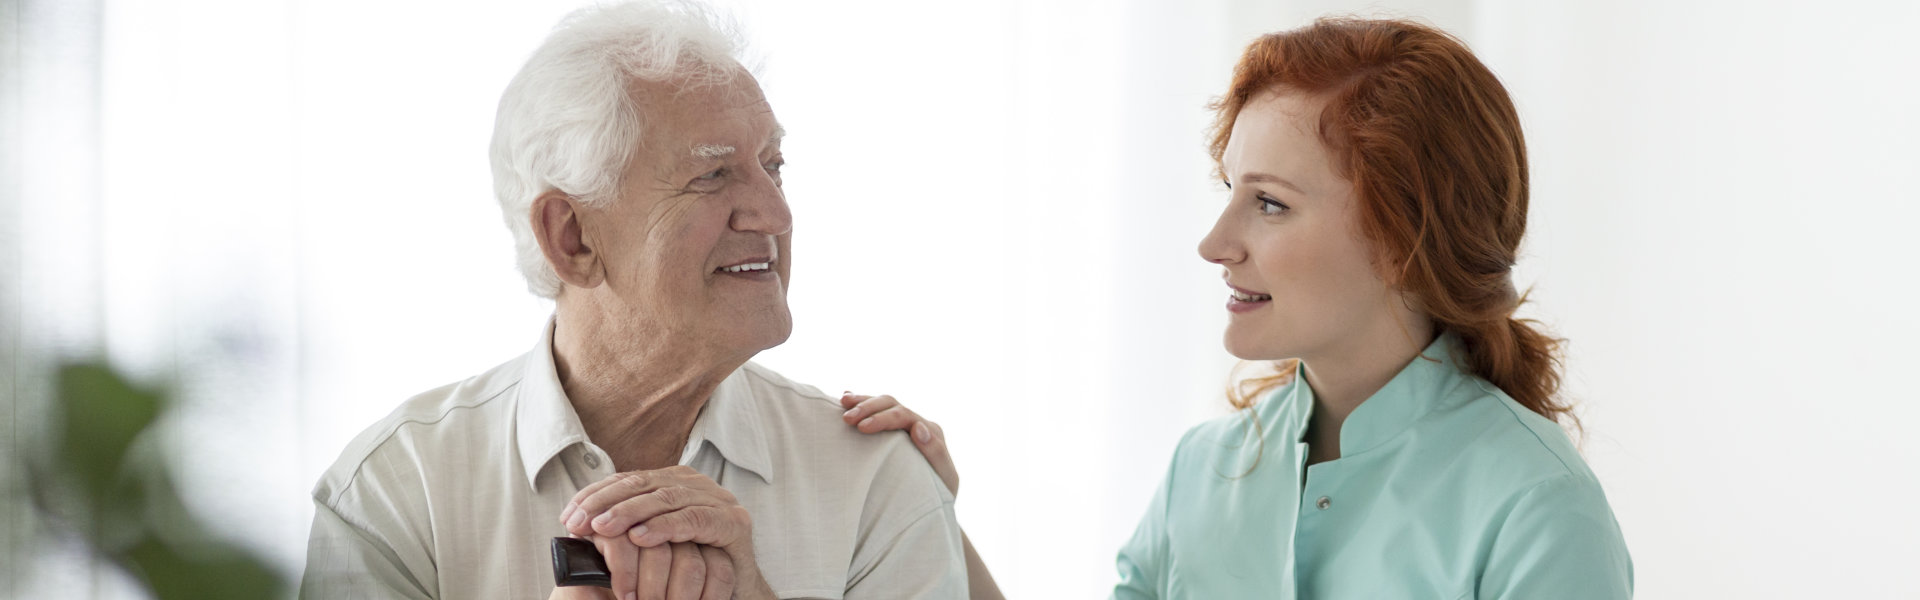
[[283, 208]]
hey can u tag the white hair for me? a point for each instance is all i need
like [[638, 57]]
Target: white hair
[[568, 120]]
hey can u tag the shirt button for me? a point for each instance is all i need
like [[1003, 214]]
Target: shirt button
[[1324, 503], [593, 461]]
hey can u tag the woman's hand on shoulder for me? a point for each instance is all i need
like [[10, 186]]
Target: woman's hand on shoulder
[[874, 414]]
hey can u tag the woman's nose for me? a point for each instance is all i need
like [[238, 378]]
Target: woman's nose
[[1218, 247]]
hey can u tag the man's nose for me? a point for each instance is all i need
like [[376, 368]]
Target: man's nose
[[763, 210]]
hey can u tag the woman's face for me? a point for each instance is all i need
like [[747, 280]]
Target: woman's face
[[1304, 282]]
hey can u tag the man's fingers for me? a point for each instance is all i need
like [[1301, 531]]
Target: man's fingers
[[623, 562], [713, 526], [719, 580], [630, 512], [656, 566], [582, 592], [592, 502], [689, 572], [633, 511], [573, 505]]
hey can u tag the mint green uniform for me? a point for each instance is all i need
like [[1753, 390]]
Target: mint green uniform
[[1445, 488]]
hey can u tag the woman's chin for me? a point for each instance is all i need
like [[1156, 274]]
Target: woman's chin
[[1243, 348]]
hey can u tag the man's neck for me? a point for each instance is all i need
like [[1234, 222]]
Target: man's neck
[[637, 392]]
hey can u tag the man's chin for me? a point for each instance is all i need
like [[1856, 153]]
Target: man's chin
[[772, 330]]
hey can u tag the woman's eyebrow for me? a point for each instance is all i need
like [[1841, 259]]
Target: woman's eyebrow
[[1271, 178]]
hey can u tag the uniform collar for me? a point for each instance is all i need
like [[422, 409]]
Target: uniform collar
[[546, 424], [1416, 390]]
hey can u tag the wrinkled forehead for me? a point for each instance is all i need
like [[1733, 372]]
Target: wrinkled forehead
[[705, 119]]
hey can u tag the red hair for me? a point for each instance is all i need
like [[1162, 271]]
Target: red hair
[[1431, 142]]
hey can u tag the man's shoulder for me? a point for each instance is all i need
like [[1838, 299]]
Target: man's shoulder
[[432, 422], [805, 425], [796, 407]]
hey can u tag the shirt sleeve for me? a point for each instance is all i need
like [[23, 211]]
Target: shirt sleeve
[[1559, 541], [364, 554], [1143, 560], [921, 556]]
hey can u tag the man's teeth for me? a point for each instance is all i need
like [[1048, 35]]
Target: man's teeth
[[760, 266], [1246, 297]]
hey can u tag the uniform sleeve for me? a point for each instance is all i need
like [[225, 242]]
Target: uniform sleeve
[[1143, 560], [910, 553], [358, 553], [1559, 541]]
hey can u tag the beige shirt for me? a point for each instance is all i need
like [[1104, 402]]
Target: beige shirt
[[458, 493]]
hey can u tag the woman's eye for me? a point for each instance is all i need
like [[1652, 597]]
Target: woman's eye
[[774, 167], [1269, 206]]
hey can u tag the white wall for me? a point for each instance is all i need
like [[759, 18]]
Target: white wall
[[996, 206]]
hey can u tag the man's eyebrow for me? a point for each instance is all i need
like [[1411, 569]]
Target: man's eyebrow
[[711, 150], [1270, 178]]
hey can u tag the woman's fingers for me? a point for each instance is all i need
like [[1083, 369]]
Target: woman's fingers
[[874, 414], [689, 573], [849, 399], [719, 581], [897, 417], [932, 442], [860, 407]]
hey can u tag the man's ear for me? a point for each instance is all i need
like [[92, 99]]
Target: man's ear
[[556, 224]]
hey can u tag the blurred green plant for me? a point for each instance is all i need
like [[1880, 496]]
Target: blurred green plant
[[102, 478]]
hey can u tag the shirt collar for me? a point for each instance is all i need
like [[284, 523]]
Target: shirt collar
[[546, 423], [731, 423], [1416, 390]]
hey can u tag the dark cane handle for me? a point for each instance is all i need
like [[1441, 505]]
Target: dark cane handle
[[577, 562]]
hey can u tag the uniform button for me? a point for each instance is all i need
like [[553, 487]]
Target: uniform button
[[593, 462], [1324, 502]]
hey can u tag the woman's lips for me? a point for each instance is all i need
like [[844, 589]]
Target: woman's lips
[[1242, 300]]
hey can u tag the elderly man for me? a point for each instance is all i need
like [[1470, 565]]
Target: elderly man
[[638, 166]]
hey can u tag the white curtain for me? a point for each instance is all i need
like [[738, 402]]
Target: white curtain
[[282, 208]]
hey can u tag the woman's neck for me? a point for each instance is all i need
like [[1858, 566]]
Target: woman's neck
[[1344, 377]]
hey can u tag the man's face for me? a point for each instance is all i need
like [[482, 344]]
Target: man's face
[[697, 245]]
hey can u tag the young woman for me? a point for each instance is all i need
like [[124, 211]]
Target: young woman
[[1408, 444]]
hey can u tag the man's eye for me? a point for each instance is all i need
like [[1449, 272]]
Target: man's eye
[[774, 167], [713, 175]]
